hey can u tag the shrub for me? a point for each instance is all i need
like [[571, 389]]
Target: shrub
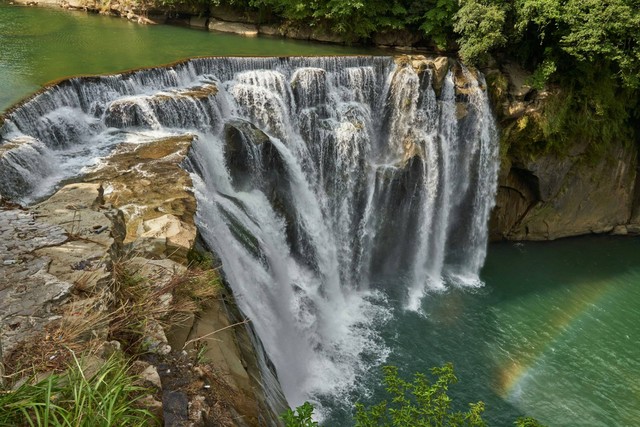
[[421, 403]]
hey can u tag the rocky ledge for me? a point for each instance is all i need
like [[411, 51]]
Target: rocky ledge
[[67, 262], [546, 196]]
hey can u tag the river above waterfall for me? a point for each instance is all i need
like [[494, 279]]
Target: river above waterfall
[[552, 333], [38, 45]]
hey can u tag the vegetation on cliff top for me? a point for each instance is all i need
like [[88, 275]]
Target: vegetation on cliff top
[[84, 395], [586, 51]]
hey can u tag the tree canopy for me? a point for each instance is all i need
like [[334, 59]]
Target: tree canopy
[[549, 36], [555, 35]]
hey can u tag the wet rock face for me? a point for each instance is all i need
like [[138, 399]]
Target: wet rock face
[[401, 183], [254, 162], [553, 197], [245, 146]]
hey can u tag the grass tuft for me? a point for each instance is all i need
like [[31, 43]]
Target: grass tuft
[[139, 302], [78, 398]]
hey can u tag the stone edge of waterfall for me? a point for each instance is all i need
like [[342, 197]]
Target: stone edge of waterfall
[[131, 71], [87, 77], [76, 233]]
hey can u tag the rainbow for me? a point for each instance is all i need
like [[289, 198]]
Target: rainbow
[[511, 374]]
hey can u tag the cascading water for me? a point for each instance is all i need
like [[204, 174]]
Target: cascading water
[[315, 178]]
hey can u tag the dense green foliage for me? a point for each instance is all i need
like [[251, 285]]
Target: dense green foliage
[[564, 33], [586, 51], [420, 403], [108, 397], [353, 19]]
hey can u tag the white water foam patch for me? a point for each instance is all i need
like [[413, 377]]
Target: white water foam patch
[[357, 350]]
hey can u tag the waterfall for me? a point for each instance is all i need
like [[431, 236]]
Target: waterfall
[[324, 185]]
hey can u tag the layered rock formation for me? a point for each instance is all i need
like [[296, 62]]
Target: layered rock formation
[[550, 196], [57, 261]]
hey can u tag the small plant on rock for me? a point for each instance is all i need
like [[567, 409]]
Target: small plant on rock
[[302, 416]]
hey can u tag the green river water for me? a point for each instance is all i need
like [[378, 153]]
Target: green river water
[[555, 331], [38, 45], [553, 334]]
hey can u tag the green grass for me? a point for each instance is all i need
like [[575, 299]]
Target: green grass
[[108, 397]]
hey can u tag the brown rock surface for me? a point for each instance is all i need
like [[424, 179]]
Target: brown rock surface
[[555, 195], [247, 30], [56, 258], [145, 182]]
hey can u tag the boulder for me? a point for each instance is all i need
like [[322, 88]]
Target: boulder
[[247, 30], [169, 234], [440, 67]]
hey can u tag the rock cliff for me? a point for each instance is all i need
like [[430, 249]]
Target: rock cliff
[[545, 196], [59, 265]]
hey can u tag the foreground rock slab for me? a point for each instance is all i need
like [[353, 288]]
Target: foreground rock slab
[[57, 267]]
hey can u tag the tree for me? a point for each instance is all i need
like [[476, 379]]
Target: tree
[[480, 24], [420, 403]]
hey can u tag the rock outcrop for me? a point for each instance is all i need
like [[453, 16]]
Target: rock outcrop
[[553, 197], [58, 265], [547, 196]]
